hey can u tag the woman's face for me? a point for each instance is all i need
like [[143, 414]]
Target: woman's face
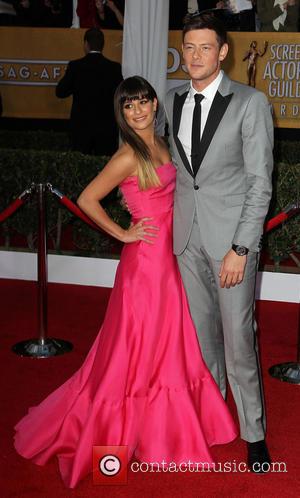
[[139, 113]]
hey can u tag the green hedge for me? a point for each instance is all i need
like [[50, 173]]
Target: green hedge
[[284, 151], [287, 152], [70, 172], [35, 140], [286, 189]]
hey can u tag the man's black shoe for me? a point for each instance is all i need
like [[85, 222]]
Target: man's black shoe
[[258, 457]]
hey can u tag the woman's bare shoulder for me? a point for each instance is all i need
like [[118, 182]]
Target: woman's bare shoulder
[[124, 153], [125, 158]]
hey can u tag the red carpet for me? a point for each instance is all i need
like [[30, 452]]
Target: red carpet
[[75, 314]]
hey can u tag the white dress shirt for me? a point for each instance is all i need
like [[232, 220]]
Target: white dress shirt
[[185, 129]]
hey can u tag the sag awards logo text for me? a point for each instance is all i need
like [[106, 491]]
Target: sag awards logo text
[[23, 72], [282, 74]]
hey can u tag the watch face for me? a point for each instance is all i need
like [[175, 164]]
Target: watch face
[[241, 250]]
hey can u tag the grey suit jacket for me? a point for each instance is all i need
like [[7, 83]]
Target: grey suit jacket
[[234, 177]]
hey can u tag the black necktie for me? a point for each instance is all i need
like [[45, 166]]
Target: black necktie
[[196, 131]]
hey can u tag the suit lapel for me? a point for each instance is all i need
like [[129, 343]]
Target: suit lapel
[[177, 111], [216, 113]]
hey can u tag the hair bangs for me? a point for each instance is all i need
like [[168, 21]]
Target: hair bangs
[[135, 97], [136, 88]]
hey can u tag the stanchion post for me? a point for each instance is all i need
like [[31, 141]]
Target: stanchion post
[[42, 262], [42, 347]]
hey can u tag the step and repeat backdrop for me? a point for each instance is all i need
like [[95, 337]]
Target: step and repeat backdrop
[[32, 61]]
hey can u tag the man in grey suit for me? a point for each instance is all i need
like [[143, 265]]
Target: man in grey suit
[[221, 135]]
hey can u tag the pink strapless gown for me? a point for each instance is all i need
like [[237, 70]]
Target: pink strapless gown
[[144, 383]]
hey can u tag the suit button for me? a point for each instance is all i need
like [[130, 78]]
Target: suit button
[[196, 187]]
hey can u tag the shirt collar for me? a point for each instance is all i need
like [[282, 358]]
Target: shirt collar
[[210, 91]]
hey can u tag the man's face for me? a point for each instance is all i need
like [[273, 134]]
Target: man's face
[[202, 55]]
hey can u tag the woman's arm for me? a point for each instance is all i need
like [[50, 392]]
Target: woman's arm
[[117, 169]]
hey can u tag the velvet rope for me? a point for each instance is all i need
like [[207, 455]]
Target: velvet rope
[[11, 209], [277, 220], [65, 201], [281, 217], [273, 222]]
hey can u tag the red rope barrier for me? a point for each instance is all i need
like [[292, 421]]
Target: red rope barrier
[[12, 208], [289, 211], [280, 218], [77, 211], [65, 201]]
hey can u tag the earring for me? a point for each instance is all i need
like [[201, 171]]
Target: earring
[[155, 118]]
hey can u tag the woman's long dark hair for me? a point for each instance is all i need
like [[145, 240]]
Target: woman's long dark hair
[[134, 88]]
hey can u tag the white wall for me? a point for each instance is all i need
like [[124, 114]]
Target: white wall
[[101, 272]]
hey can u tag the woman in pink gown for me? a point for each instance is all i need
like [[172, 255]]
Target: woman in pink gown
[[144, 383]]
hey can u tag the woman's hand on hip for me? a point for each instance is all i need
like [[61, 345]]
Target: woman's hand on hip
[[141, 231]]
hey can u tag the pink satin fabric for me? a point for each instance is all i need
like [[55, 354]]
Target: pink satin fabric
[[144, 383]]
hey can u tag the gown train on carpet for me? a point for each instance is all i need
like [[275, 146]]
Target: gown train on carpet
[[144, 383]]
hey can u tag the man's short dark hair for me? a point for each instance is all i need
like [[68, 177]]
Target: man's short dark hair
[[95, 39], [205, 20]]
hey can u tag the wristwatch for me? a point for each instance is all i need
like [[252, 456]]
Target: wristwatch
[[240, 250]]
